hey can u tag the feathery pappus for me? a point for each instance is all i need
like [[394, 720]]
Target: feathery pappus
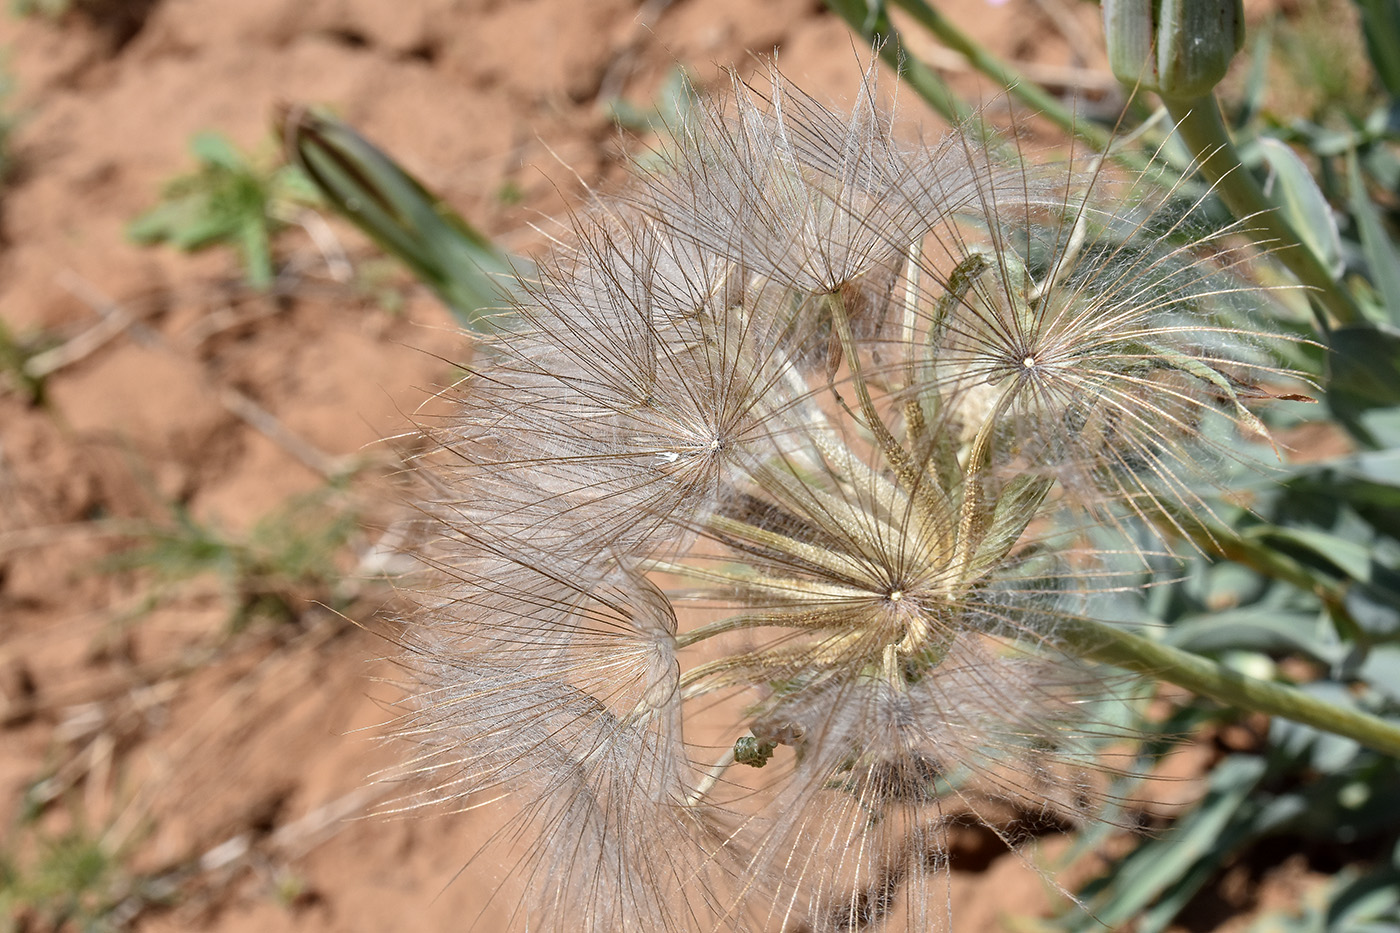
[[760, 510]]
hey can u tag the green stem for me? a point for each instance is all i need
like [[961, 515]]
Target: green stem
[[1202, 129], [869, 19], [1111, 645], [1017, 84], [923, 79]]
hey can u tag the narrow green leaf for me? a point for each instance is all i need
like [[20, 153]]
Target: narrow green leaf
[[159, 223], [1257, 83], [1381, 257], [198, 226], [1364, 374], [1263, 629], [1303, 204], [1158, 865], [1350, 557], [1380, 24], [1382, 670], [1194, 367], [1015, 509], [257, 252], [1369, 897], [365, 184]]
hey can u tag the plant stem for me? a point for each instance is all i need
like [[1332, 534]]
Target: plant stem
[[1016, 84], [910, 473], [1101, 641], [1202, 129], [876, 27], [887, 42]]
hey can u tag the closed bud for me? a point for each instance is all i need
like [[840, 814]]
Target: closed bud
[[1177, 48]]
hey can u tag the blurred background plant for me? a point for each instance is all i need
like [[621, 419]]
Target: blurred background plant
[[1293, 579], [71, 880], [50, 8], [291, 559], [10, 120], [231, 199]]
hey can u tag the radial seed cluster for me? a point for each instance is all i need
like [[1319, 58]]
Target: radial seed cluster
[[756, 519]]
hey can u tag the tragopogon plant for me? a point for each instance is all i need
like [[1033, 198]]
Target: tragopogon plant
[[763, 531]]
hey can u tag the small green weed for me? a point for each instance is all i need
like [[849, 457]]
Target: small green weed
[[509, 194], [231, 199], [287, 561], [15, 354], [70, 881], [49, 9], [10, 121]]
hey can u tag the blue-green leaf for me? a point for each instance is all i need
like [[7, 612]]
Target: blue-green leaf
[[361, 181], [1303, 204], [1381, 257]]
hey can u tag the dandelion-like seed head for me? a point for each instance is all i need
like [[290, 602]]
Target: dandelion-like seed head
[[752, 541]]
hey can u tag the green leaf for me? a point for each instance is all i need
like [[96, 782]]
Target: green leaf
[[158, 224], [1167, 870], [1325, 751], [226, 200], [1303, 204], [1257, 83], [215, 149], [673, 104], [1174, 359], [1352, 558], [1382, 260], [1263, 629], [1375, 603], [1015, 508], [1364, 374], [366, 185], [256, 247], [1369, 897], [1382, 670], [1380, 24]]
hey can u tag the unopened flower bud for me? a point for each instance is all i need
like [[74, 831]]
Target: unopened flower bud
[[1177, 48]]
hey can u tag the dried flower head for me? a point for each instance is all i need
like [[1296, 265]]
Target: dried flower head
[[750, 541]]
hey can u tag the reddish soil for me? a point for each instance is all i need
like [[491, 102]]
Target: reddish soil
[[231, 767]]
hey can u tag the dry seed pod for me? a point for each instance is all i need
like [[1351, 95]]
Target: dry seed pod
[[753, 531]]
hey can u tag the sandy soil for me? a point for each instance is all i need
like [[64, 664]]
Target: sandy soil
[[230, 767]]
